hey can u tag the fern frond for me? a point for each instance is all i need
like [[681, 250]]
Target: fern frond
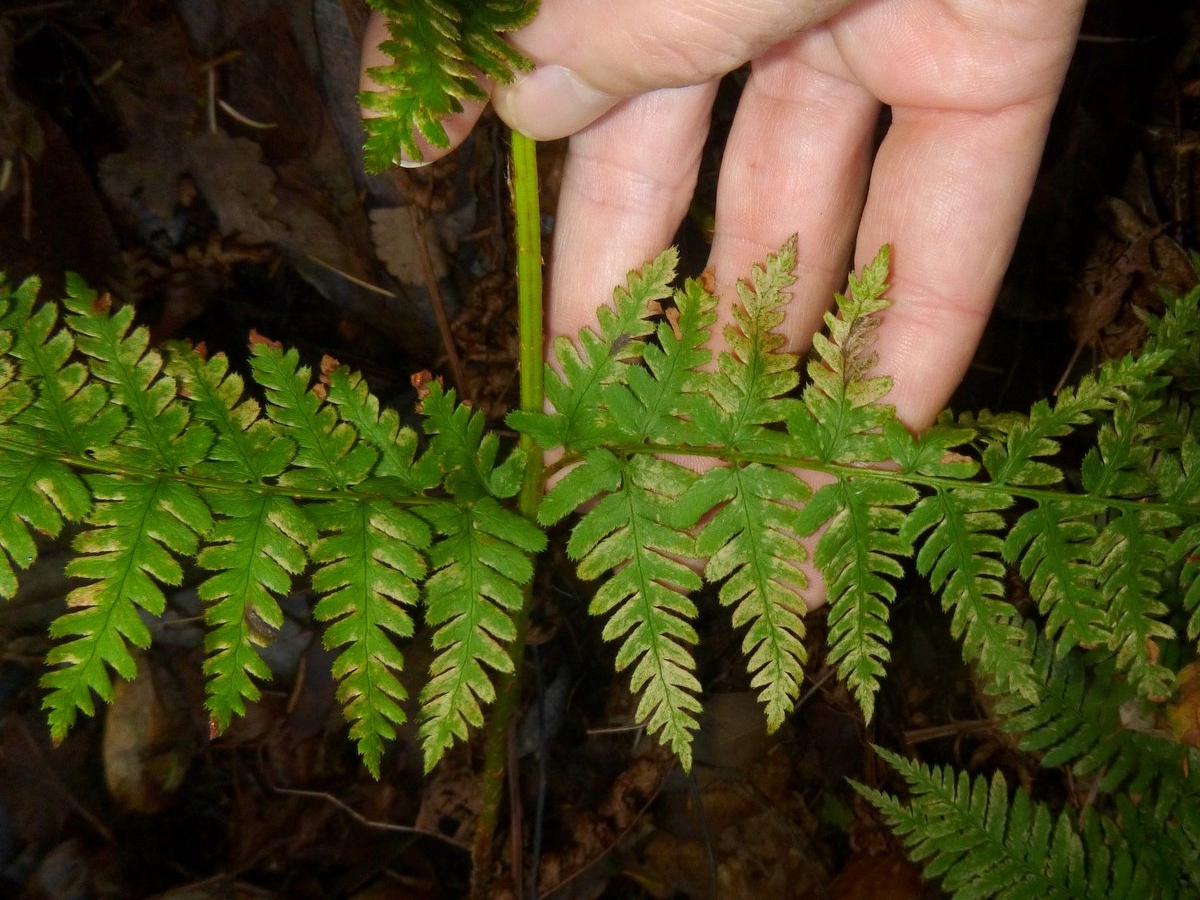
[[435, 46], [967, 833], [960, 555], [480, 562]]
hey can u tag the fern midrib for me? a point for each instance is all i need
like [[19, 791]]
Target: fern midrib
[[142, 473], [767, 607], [935, 482], [644, 582]]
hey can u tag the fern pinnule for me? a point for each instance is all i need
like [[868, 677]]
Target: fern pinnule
[[481, 558], [1130, 551], [645, 598], [1130, 555], [1052, 545], [370, 560], [859, 556]]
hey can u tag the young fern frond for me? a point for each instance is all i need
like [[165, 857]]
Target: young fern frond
[[436, 46]]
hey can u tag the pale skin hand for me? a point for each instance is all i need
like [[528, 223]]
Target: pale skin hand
[[971, 85]]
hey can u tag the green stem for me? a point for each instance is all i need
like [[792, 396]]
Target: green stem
[[531, 343]]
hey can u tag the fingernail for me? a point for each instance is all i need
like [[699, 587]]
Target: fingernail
[[549, 103], [405, 163]]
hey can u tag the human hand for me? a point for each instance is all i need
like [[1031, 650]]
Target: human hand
[[971, 85]]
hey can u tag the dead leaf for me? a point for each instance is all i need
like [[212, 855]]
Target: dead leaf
[[144, 749]]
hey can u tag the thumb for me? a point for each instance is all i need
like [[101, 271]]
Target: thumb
[[589, 56]]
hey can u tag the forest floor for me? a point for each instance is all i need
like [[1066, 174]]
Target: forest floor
[[199, 160]]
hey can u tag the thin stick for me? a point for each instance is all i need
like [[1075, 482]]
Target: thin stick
[[363, 820], [435, 295]]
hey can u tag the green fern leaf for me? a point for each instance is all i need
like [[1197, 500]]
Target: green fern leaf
[[139, 519], [1053, 543], [368, 560], [65, 417], [1130, 556], [124, 558], [257, 543], [479, 565], [858, 555], [842, 417], [256, 546], [968, 834], [752, 549], [436, 46], [1130, 551], [960, 555], [645, 598]]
